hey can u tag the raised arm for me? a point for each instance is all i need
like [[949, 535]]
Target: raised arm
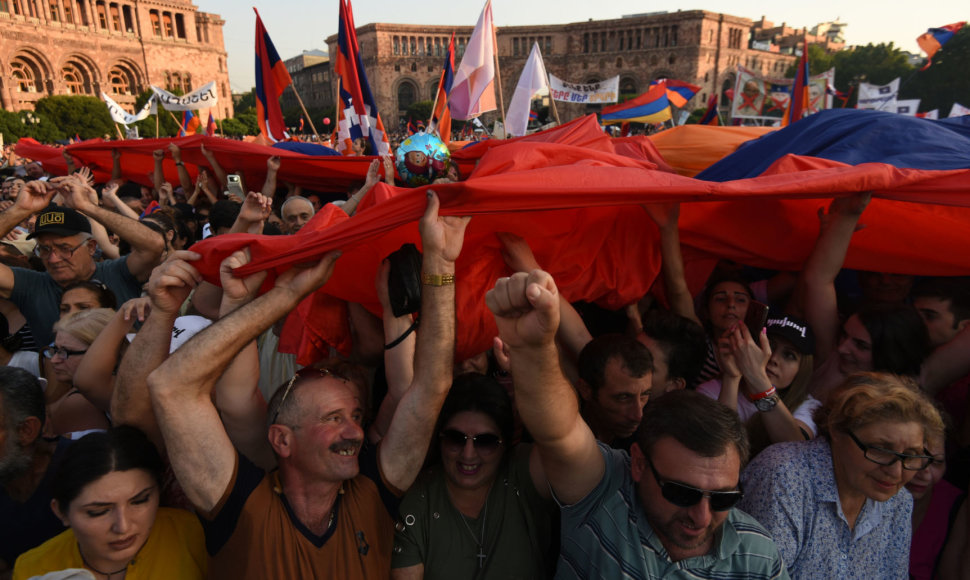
[[409, 435], [217, 170], [252, 215], [146, 245], [200, 451], [185, 180], [526, 309], [33, 198], [572, 332], [947, 363], [370, 181], [752, 360], [109, 194], [272, 169], [666, 216], [169, 286], [158, 174], [816, 283], [94, 377], [399, 342]]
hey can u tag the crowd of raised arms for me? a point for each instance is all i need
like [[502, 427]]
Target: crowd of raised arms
[[808, 424]]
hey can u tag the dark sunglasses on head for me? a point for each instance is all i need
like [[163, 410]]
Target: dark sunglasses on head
[[683, 495], [484, 442]]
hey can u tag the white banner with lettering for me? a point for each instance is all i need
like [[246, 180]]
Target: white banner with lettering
[[907, 107], [879, 97], [587, 93], [119, 115], [202, 98]]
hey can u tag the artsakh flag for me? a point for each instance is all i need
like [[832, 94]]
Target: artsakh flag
[[799, 91], [710, 116], [190, 123], [933, 40], [271, 79], [210, 127], [441, 116], [357, 114], [652, 106], [678, 92]]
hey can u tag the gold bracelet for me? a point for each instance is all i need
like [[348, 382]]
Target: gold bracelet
[[437, 279]]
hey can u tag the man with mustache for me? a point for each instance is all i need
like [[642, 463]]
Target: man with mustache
[[327, 511]]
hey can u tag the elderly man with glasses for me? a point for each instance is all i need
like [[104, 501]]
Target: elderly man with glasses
[[66, 247], [664, 509]]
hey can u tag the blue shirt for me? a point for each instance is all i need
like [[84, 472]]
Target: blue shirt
[[606, 535], [790, 488]]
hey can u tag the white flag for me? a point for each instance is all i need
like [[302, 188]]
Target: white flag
[[878, 97], [959, 110], [202, 98], [119, 115], [532, 80], [907, 107], [934, 114], [473, 91]]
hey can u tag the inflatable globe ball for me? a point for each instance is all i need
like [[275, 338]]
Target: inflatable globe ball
[[421, 159]]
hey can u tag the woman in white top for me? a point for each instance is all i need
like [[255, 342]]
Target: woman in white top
[[767, 383]]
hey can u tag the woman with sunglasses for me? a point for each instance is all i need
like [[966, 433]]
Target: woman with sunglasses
[[106, 491], [70, 411], [833, 505], [475, 513]]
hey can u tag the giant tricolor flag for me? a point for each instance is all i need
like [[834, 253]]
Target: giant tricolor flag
[[441, 115], [933, 40], [474, 90], [357, 114], [799, 91], [652, 106], [678, 92], [271, 79]]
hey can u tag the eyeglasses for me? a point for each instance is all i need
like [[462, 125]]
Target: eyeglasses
[[63, 251], [882, 456], [683, 495], [60, 351], [306, 372], [484, 443]]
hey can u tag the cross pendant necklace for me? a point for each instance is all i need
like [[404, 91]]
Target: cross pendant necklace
[[481, 544]]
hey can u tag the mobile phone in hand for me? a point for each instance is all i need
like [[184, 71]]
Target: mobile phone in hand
[[755, 318]]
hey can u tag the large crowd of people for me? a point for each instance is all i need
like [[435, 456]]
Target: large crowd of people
[[152, 427]]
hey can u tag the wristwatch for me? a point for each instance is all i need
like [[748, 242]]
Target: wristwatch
[[768, 403]]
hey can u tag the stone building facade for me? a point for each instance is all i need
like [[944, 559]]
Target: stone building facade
[[404, 62], [310, 72], [120, 47]]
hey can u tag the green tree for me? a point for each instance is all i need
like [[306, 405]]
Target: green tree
[[249, 121], [76, 115], [818, 61], [420, 111], [167, 126], [877, 64], [246, 103], [232, 128]]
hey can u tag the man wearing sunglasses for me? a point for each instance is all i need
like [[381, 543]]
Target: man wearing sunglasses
[[662, 509], [66, 247]]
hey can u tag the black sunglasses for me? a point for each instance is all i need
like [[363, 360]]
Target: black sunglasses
[[683, 495], [485, 443]]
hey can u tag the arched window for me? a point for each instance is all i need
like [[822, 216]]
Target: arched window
[[23, 77], [406, 95], [74, 79], [123, 80]]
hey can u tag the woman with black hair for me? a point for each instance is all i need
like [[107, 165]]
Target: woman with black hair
[[476, 513], [106, 490]]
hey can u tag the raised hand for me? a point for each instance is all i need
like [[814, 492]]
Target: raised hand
[[172, 281], [304, 278], [441, 236], [35, 196], [76, 192], [136, 309], [273, 163], [238, 291], [526, 309], [256, 208]]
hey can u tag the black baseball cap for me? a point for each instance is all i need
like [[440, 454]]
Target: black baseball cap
[[794, 330], [60, 221]]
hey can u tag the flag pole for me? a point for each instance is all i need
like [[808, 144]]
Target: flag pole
[[177, 122], [552, 101], [498, 83], [118, 129], [336, 111], [307, 115], [156, 123]]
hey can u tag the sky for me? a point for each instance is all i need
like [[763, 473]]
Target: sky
[[298, 25]]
